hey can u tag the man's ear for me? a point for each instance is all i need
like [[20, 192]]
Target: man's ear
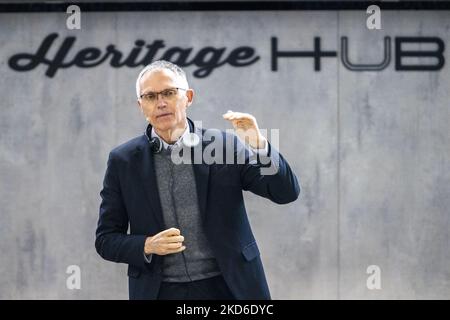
[[190, 96]]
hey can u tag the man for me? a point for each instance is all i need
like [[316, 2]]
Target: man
[[189, 237]]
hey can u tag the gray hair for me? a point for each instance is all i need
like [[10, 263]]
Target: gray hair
[[160, 65]]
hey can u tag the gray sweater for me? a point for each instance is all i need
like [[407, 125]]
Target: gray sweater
[[179, 203]]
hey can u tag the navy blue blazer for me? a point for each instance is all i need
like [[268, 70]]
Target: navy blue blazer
[[130, 198]]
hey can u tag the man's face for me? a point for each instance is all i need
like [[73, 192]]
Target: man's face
[[166, 113]]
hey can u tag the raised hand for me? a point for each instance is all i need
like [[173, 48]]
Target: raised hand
[[246, 128]]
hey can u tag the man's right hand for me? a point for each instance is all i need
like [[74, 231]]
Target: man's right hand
[[166, 242]]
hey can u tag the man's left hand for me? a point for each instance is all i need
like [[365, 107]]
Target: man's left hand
[[246, 128]]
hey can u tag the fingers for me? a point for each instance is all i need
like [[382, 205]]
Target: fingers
[[170, 236], [174, 239], [227, 115], [168, 241], [169, 232], [174, 245], [243, 124], [179, 249], [230, 115], [239, 120], [172, 250]]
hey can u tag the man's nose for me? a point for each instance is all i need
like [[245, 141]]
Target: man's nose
[[160, 103]]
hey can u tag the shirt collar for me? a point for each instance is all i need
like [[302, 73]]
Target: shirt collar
[[176, 143]]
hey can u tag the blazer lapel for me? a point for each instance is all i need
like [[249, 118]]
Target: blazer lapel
[[201, 173], [145, 172]]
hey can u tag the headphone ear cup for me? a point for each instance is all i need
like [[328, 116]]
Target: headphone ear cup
[[155, 145]]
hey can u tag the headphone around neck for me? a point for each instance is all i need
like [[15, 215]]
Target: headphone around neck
[[156, 144]]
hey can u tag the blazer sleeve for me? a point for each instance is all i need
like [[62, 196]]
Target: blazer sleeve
[[112, 241], [269, 176]]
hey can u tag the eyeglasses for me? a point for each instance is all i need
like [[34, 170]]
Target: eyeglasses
[[167, 95]]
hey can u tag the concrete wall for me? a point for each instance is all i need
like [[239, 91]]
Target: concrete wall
[[371, 149]]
